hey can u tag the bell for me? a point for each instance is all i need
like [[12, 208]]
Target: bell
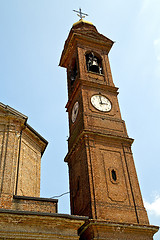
[[94, 65]]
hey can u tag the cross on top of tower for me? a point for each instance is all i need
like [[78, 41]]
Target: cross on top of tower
[[80, 13]]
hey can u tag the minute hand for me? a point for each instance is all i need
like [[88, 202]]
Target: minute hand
[[100, 99]]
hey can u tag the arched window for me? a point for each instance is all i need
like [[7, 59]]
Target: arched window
[[94, 63], [73, 72]]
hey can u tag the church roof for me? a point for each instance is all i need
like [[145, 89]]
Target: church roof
[[12, 111], [9, 111]]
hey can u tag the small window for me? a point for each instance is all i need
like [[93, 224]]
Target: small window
[[94, 63], [114, 175]]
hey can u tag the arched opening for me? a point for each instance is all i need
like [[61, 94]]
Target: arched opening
[[73, 72], [94, 63]]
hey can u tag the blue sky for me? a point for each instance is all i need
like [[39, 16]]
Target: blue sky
[[32, 38]]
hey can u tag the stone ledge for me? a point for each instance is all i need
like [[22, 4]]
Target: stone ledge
[[34, 204], [61, 215], [35, 198], [38, 225], [100, 228]]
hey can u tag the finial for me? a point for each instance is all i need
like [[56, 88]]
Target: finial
[[80, 13]]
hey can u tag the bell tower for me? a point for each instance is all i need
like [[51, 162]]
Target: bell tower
[[102, 175]]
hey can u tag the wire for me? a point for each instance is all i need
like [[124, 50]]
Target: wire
[[60, 195]]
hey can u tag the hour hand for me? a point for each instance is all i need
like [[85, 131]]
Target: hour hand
[[104, 103]]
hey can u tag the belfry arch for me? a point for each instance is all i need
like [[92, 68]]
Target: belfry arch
[[94, 62]]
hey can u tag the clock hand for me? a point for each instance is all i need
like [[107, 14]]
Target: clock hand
[[100, 99], [75, 111], [104, 103]]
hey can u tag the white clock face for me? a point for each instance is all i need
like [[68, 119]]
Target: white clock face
[[101, 103], [75, 111]]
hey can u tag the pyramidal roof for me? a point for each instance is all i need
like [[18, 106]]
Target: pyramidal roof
[[83, 31]]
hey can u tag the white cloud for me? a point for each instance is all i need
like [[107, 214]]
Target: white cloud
[[156, 44], [149, 14], [157, 48], [145, 6], [154, 207], [148, 6]]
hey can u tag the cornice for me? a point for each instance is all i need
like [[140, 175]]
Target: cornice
[[86, 133], [83, 82], [86, 36], [125, 227]]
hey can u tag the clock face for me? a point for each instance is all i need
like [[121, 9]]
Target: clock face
[[75, 111], [101, 103]]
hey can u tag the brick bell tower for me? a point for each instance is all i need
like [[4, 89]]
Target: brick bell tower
[[102, 175]]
